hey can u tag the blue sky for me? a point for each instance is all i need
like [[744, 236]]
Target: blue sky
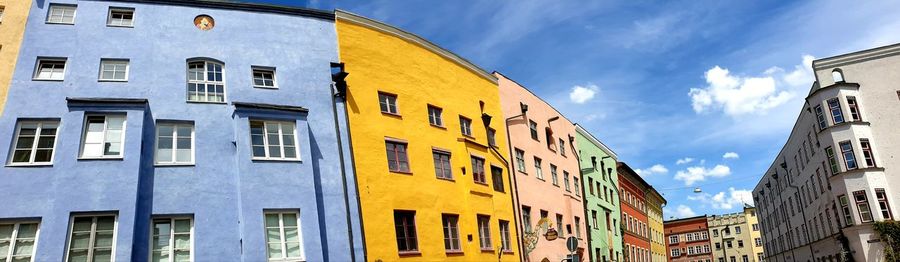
[[672, 86]]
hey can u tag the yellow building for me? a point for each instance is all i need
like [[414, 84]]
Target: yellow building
[[13, 14], [433, 184], [755, 233], [655, 203]]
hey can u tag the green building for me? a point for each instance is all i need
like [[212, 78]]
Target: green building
[[601, 196]]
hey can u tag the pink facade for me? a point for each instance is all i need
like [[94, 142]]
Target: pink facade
[[546, 172]]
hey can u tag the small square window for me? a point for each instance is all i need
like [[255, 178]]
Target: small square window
[[264, 77], [388, 103], [61, 14], [50, 69], [465, 126], [120, 17], [435, 116], [114, 70]]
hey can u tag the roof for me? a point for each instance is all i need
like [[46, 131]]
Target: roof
[[561, 115], [105, 100], [270, 106], [580, 129], [685, 219], [241, 6], [634, 174], [415, 39]]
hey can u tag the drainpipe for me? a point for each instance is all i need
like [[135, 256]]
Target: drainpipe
[[338, 93], [516, 209]]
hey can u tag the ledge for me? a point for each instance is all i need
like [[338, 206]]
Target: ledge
[[105, 100], [858, 170], [832, 86], [845, 123], [270, 106]]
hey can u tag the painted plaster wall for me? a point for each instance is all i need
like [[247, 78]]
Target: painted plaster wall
[[224, 191], [718, 234], [681, 227], [632, 236], [381, 61], [556, 197], [15, 13], [605, 236], [752, 219], [655, 204]]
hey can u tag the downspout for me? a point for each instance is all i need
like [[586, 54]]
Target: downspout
[[516, 210], [339, 92], [584, 203]]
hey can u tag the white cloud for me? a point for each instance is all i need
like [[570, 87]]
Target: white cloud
[[731, 155], [739, 95], [683, 211], [699, 173], [684, 161], [734, 198], [655, 169], [582, 94]]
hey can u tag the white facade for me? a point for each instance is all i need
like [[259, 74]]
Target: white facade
[[852, 112]]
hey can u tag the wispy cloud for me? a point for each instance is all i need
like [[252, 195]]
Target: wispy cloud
[[731, 155], [727, 201], [694, 174], [685, 160], [655, 169]]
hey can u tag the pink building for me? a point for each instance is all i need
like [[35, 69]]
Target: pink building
[[546, 173]]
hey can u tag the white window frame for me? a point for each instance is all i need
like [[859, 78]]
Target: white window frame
[[484, 233], [205, 96], [93, 234], [65, 7], [84, 133], [171, 235], [284, 257], [465, 126], [110, 19], [2, 8], [435, 116], [280, 137], [15, 237], [174, 148], [103, 63], [387, 99], [42, 60], [34, 146], [264, 70]]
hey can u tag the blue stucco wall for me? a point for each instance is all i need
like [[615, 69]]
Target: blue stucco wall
[[225, 191]]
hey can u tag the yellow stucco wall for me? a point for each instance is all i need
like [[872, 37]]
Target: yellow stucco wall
[[390, 62], [12, 27], [657, 232], [750, 214]]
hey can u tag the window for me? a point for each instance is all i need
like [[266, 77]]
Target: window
[[478, 170], [492, 137], [740, 243], [120, 17], [883, 203], [505, 244], [442, 164], [174, 143], [854, 108], [537, 168], [591, 185], [396, 156], [553, 175], [673, 239], [1, 14], [34, 143], [559, 225], [533, 127], [388, 103], [50, 69], [676, 252], [862, 205], [847, 152], [737, 229], [172, 239], [435, 116], [845, 207], [273, 140], [497, 179], [104, 136], [520, 160], [61, 14], [206, 82], [264, 77], [17, 240], [755, 227], [575, 179], [405, 225], [484, 232], [728, 244], [829, 152], [758, 241], [566, 181], [593, 219], [820, 117], [562, 147], [836, 115], [867, 152], [526, 218], [837, 75], [91, 238], [284, 238], [718, 246], [465, 126], [114, 70], [451, 232]]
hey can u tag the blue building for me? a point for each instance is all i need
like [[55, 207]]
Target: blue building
[[176, 130]]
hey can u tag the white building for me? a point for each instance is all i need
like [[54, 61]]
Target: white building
[[836, 175]]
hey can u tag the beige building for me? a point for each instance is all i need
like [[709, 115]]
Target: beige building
[[835, 175], [734, 236]]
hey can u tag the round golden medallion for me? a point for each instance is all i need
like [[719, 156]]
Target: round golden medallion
[[204, 22]]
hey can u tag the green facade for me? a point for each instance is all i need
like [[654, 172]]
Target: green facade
[[601, 196]]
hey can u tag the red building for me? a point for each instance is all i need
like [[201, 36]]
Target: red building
[[688, 239], [633, 202]]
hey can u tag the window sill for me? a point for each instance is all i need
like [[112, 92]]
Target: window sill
[[488, 250], [112, 80], [447, 179], [481, 183], [29, 165], [454, 252], [58, 23], [173, 164], [101, 158], [396, 115], [845, 123], [276, 160], [401, 172], [508, 252], [47, 79], [207, 102], [267, 87], [409, 253], [120, 26], [437, 126]]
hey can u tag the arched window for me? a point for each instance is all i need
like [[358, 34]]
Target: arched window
[[205, 81], [837, 75]]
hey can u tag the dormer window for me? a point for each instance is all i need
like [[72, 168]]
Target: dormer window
[[837, 75]]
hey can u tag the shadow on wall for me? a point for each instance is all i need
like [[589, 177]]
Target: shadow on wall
[[315, 158]]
